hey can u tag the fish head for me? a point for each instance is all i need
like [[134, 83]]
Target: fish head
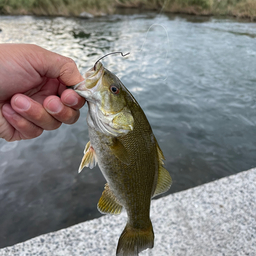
[[107, 99]]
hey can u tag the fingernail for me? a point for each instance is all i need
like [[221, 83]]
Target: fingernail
[[54, 106], [71, 100], [22, 103]]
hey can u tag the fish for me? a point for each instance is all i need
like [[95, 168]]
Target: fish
[[123, 145]]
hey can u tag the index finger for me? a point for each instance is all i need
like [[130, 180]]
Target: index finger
[[53, 65]]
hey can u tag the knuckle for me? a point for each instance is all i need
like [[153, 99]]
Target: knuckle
[[69, 66], [71, 61]]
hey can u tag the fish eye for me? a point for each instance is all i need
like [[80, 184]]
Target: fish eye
[[114, 89]]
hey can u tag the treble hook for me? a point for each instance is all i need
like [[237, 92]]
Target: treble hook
[[123, 55]]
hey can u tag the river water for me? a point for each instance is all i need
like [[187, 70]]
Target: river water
[[195, 79]]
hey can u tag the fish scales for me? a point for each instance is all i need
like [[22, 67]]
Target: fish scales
[[124, 183], [128, 155]]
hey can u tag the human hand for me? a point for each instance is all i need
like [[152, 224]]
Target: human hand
[[33, 94]]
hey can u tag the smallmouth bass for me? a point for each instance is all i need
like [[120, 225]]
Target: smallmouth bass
[[128, 155]]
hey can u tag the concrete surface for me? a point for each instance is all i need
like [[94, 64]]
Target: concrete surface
[[218, 218]]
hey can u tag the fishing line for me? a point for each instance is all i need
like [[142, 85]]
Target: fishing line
[[166, 33], [167, 36]]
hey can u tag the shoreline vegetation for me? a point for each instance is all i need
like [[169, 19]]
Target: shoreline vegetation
[[90, 8]]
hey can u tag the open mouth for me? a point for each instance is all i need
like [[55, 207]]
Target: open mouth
[[92, 77]]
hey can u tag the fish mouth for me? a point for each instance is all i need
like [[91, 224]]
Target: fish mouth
[[91, 81]]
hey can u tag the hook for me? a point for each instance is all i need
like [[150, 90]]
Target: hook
[[123, 55]]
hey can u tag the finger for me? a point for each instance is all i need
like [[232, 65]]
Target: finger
[[6, 130], [71, 99], [18, 127], [34, 112], [59, 111], [53, 65]]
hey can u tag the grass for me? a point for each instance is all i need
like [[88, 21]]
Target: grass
[[246, 9], [238, 8], [55, 7]]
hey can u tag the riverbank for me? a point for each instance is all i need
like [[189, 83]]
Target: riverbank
[[236, 8], [217, 218]]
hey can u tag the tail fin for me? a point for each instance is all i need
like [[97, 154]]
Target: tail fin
[[133, 241]]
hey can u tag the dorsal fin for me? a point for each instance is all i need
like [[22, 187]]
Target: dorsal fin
[[108, 202]]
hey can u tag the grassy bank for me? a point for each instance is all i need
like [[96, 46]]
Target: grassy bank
[[56, 7], [238, 8]]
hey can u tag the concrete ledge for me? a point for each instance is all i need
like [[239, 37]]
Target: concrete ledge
[[218, 218]]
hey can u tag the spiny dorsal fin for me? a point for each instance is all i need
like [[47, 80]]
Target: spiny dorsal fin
[[89, 158], [164, 180], [108, 203]]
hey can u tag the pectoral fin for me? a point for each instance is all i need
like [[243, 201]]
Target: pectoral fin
[[89, 158], [108, 203], [164, 180], [118, 149]]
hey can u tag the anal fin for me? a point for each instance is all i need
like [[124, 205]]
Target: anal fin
[[89, 158], [108, 203]]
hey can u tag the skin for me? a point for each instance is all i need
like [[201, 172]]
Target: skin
[[33, 94]]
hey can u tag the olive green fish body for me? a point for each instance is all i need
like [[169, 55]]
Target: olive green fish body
[[135, 179], [124, 146]]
